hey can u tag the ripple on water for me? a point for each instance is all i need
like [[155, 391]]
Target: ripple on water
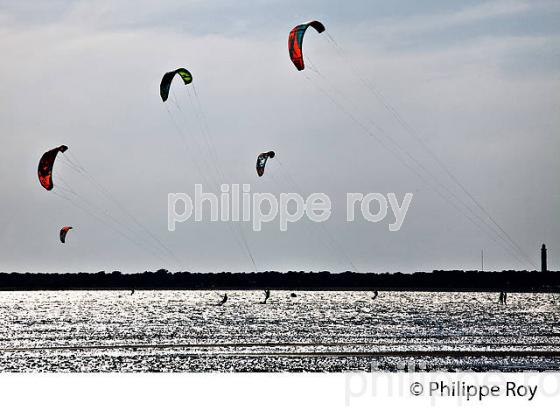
[[317, 331]]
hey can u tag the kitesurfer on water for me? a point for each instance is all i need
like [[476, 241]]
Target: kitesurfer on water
[[266, 296]]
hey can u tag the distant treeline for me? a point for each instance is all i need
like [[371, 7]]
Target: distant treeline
[[513, 281]]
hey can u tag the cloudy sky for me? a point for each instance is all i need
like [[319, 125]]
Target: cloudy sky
[[477, 82]]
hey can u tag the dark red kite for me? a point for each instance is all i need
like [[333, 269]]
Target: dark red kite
[[46, 165], [295, 42], [63, 233]]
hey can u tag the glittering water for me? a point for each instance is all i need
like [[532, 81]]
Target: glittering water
[[314, 331]]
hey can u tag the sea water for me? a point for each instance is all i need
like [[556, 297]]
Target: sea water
[[149, 331]]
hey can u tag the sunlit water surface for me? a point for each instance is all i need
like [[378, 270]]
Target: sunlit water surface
[[314, 331]]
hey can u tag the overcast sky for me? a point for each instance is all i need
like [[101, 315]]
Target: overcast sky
[[476, 81]]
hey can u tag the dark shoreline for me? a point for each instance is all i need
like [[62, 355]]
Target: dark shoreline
[[436, 281]]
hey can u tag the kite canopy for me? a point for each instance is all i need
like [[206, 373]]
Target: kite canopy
[[63, 233], [46, 163], [224, 300], [295, 41], [168, 78], [261, 161]]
